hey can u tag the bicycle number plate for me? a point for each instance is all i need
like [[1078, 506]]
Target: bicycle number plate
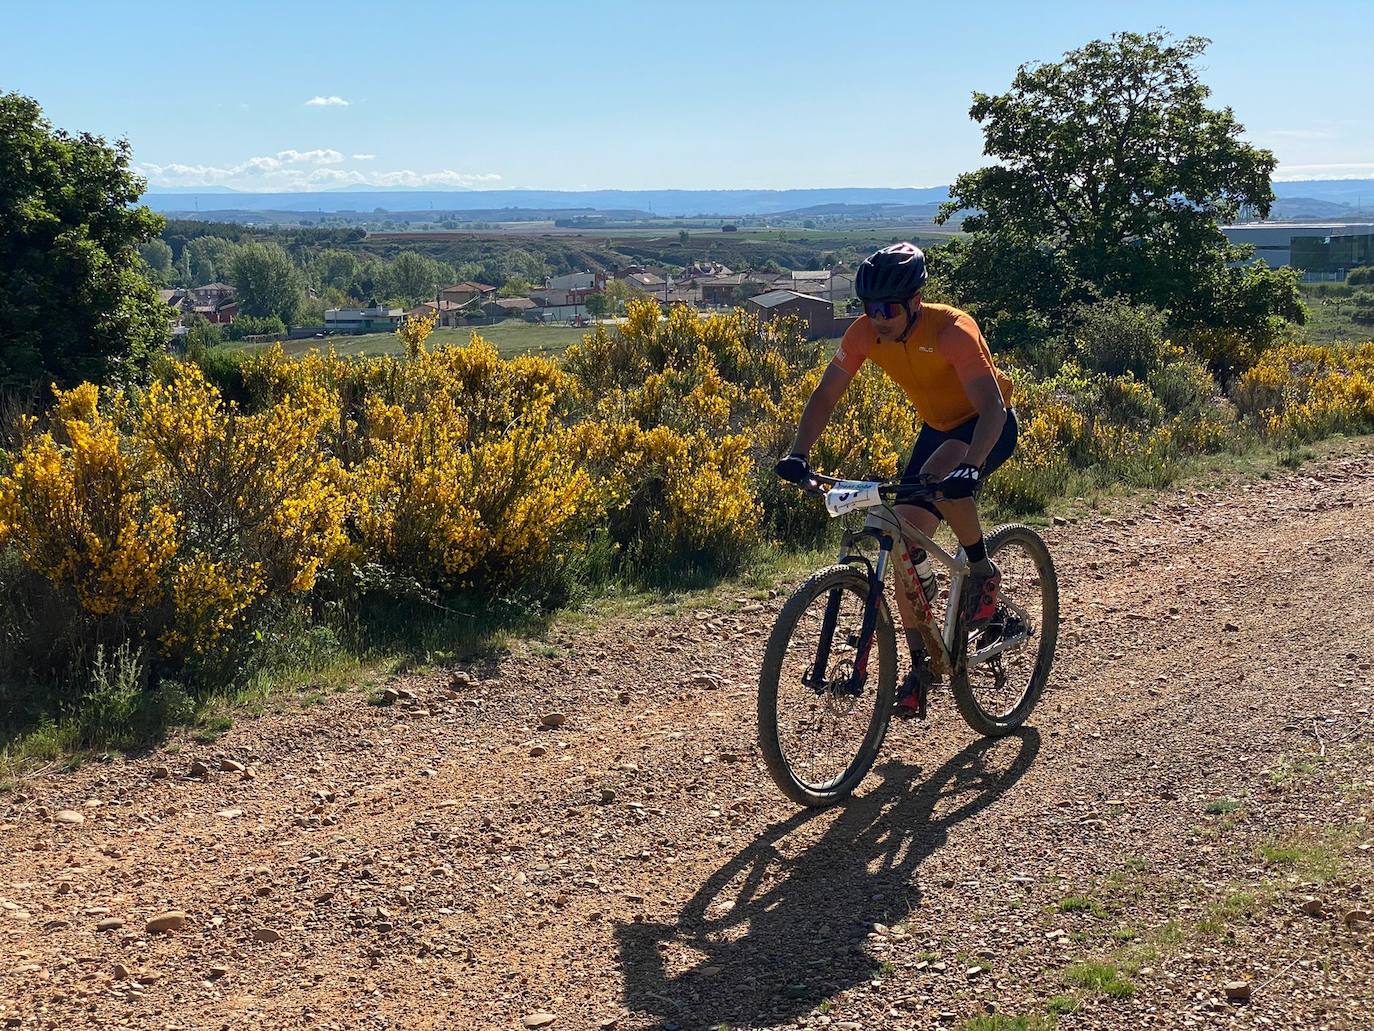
[[848, 495]]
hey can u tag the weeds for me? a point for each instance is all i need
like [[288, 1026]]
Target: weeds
[[1100, 979]]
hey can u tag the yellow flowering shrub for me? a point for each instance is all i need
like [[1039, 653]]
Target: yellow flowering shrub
[[1302, 392], [254, 488], [76, 507], [177, 518], [467, 471]]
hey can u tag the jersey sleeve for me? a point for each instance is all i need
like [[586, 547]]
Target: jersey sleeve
[[961, 344], [853, 350]]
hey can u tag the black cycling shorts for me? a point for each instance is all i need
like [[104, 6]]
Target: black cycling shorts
[[930, 439]]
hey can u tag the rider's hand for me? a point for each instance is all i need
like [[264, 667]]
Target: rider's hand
[[794, 469], [961, 482]]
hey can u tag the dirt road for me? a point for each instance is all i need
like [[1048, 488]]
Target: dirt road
[[1189, 809]]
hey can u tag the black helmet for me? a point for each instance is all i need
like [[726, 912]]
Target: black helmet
[[892, 274]]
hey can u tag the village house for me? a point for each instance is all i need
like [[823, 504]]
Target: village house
[[450, 313], [214, 302], [816, 312], [728, 289], [466, 292], [372, 319], [509, 307]]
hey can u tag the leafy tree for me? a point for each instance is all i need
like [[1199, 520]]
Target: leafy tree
[[266, 281], [158, 257], [683, 236], [416, 278], [210, 258], [201, 333], [336, 268], [516, 286], [599, 305], [74, 300], [618, 293], [1113, 175]]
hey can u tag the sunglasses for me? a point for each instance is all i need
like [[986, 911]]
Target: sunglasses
[[884, 309]]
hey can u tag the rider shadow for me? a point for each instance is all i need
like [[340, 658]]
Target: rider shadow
[[771, 935]]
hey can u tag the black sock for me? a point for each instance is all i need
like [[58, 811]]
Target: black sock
[[977, 551]]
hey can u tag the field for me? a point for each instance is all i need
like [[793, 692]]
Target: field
[[1331, 308], [512, 337], [823, 236]]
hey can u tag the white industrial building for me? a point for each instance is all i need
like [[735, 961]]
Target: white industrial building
[[1273, 241]]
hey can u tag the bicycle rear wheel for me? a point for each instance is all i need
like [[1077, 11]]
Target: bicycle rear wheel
[[820, 729], [1007, 663]]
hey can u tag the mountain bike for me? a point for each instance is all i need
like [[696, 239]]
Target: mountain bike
[[828, 682]]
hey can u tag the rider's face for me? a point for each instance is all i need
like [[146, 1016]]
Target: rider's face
[[891, 329]]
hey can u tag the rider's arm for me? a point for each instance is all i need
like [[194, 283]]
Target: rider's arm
[[959, 343], [852, 353], [819, 406]]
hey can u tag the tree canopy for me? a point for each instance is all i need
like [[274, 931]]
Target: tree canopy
[[1113, 176], [266, 281], [76, 300]]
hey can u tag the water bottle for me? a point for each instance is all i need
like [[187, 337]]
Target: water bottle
[[925, 574]]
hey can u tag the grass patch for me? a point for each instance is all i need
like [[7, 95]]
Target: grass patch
[[1236, 906], [1124, 934], [1221, 806], [1062, 1005], [1314, 860], [1081, 904], [1007, 1022], [1287, 770], [1100, 979]]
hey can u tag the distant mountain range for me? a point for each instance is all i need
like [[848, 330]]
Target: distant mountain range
[[1313, 198]]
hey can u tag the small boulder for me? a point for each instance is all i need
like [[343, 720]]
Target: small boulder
[[166, 922]]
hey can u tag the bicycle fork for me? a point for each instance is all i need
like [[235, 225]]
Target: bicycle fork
[[817, 679]]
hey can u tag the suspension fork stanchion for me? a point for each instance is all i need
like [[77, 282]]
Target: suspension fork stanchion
[[817, 677], [870, 622]]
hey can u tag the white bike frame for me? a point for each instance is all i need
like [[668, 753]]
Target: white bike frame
[[885, 525]]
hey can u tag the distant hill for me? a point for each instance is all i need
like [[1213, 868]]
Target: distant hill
[[663, 203], [1346, 195]]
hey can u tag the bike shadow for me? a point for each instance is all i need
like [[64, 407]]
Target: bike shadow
[[778, 929]]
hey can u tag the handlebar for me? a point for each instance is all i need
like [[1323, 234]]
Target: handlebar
[[923, 487]]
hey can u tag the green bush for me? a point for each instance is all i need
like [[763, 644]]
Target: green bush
[[1116, 337], [248, 326], [1362, 276]]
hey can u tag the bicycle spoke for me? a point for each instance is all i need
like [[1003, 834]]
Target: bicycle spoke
[[822, 725], [999, 683]]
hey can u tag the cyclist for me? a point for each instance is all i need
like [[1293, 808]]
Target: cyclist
[[938, 356]]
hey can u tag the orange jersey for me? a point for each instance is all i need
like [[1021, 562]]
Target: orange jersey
[[944, 352]]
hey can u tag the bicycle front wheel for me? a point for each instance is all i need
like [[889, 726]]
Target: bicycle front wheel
[[821, 718], [1008, 662]]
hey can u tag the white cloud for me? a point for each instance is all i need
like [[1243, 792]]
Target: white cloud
[[1296, 134], [296, 170], [330, 101], [364, 157], [1339, 170]]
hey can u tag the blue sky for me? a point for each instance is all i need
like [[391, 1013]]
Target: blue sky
[[581, 95]]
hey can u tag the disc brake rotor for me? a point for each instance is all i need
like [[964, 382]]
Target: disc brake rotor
[[840, 698]]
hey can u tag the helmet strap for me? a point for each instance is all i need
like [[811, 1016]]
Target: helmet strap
[[912, 314]]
